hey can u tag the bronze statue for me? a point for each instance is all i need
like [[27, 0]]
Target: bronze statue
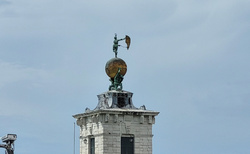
[[116, 68], [116, 84], [116, 45]]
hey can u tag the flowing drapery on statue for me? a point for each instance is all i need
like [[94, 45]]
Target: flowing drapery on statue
[[127, 40]]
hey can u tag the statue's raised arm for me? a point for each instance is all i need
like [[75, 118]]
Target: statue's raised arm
[[116, 45]]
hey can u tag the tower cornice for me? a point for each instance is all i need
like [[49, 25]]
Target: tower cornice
[[117, 111]]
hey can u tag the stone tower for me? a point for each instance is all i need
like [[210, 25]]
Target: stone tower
[[116, 126]]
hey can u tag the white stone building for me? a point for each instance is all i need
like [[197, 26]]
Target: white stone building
[[116, 126]]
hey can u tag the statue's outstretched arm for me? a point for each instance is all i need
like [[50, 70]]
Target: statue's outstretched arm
[[121, 39]]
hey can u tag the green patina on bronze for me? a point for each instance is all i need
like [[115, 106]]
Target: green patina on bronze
[[116, 83], [116, 68], [116, 45]]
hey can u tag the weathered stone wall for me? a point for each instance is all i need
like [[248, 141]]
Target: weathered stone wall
[[108, 128]]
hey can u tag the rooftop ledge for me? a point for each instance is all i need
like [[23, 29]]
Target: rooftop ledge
[[117, 111]]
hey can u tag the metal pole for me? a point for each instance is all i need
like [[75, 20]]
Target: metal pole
[[8, 148], [74, 138]]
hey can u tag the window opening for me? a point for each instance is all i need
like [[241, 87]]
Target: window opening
[[92, 145], [127, 145]]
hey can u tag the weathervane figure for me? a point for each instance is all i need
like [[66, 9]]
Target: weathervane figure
[[116, 68], [116, 45]]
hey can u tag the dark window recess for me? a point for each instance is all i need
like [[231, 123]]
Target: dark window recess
[[127, 145], [92, 145], [121, 102]]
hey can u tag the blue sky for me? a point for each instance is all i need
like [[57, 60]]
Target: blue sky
[[189, 60]]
